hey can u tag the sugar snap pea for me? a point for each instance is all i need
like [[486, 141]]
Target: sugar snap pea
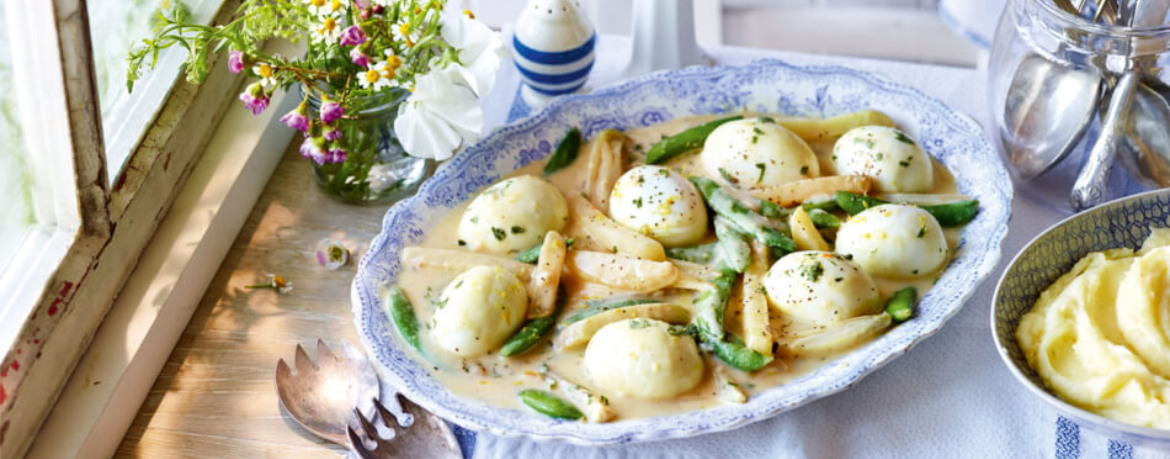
[[742, 217], [403, 314], [827, 205], [565, 153], [711, 304], [900, 307], [733, 246], [549, 405], [824, 219], [532, 331], [684, 141], [734, 353], [596, 307], [703, 253], [949, 214]]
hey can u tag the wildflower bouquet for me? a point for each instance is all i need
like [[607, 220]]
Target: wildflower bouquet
[[430, 63]]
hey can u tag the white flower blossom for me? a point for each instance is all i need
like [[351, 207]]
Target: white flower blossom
[[480, 49], [265, 72], [379, 75], [441, 114], [328, 32], [335, 9]]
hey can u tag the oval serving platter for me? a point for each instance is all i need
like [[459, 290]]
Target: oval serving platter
[[766, 86]]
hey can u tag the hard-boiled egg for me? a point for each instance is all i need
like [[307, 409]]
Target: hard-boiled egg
[[479, 310], [820, 288], [888, 156], [514, 214], [894, 240], [756, 152], [659, 203], [641, 358]]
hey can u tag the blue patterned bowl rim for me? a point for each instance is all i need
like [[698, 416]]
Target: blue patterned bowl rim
[[1027, 376], [961, 146]]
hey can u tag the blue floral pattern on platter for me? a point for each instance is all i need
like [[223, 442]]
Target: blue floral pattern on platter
[[1120, 223], [769, 86]]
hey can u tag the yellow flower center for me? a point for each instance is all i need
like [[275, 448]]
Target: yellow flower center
[[265, 71], [336, 5], [389, 73], [279, 282], [469, 14], [393, 61], [317, 3], [328, 26], [372, 76], [404, 28]]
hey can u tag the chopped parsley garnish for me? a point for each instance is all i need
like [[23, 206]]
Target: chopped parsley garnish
[[804, 170], [757, 131], [499, 233], [641, 179], [880, 156], [664, 172], [517, 230], [615, 250], [638, 203], [901, 136], [812, 271], [474, 220], [441, 303], [922, 231], [739, 208], [637, 324], [462, 243], [762, 167], [755, 139]]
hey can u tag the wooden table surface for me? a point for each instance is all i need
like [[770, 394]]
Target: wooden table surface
[[216, 398]]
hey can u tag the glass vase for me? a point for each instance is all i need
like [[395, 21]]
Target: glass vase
[[376, 169]]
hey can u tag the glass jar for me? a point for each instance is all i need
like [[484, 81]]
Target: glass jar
[[376, 169], [1036, 39]]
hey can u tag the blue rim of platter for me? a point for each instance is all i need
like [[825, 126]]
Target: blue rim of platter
[[766, 86]]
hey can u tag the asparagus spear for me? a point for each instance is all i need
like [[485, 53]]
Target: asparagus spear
[[701, 254], [950, 214], [824, 219], [733, 246]]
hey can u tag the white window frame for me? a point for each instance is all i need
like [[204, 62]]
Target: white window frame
[[91, 233]]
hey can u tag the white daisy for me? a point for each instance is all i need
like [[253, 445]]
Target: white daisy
[[379, 75], [328, 32], [327, 8], [266, 74], [406, 32]]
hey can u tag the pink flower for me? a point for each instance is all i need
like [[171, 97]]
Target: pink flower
[[359, 58], [353, 36], [332, 133], [236, 61], [361, 4], [331, 111], [254, 98], [337, 154], [297, 119], [314, 149]]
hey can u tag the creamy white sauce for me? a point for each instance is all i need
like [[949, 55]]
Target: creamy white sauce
[[497, 380]]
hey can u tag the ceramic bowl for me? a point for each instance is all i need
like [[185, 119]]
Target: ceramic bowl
[[1120, 223], [767, 86]]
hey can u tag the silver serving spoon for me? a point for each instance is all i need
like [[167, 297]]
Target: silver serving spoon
[[321, 396], [1093, 179], [1049, 106], [1147, 155]]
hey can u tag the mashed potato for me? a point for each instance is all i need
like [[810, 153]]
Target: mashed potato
[[1099, 335]]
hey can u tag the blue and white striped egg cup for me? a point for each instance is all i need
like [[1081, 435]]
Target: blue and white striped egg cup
[[554, 73]]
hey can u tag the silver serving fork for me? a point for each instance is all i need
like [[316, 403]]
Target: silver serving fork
[[424, 435]]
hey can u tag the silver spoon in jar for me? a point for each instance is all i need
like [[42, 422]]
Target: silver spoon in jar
[[1049, 106]]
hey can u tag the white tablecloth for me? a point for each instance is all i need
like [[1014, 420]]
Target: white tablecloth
[[949, 397]]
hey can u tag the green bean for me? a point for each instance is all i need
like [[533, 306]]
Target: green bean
[[742, 217], [549, 405], [733, 246], [532, 255], [953, 213], [403, 314], [596, 307], [949, 214], [684, 141], [565, 153], [734, 353], [824, 219], [900, 307], [704, 253], [770, 209], [533, 330]]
